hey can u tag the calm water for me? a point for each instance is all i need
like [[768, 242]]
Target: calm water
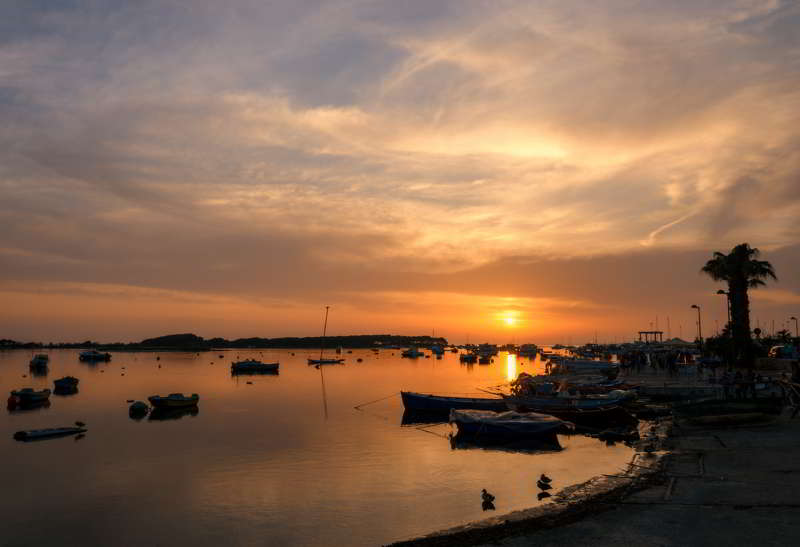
[[261, 464]]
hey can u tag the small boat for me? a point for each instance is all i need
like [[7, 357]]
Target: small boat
[[40, 360], [412, 353], [468, 358], [479, 423], [28, 395], [38, 434], [253, 366], [325, 361], [94, 355], [174, 400], [421, 402], [67, 382]]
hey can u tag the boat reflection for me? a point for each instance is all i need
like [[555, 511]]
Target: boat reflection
[[20, 407], [411, 418], [65, 391], [161, 414], [255, 373], [530, 445]]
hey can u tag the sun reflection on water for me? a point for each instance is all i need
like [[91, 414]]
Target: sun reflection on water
[[511, 367]]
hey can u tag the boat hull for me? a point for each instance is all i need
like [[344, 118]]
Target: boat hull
[[41, 434], [325, 361], [254, 368], [507, 425], [421, 402], [166, 402]]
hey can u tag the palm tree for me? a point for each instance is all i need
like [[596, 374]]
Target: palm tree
[[742, 271]]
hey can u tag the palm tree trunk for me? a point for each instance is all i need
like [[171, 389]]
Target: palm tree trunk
[[740, 318]]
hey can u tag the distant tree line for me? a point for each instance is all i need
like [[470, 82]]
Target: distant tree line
[[192, 342]]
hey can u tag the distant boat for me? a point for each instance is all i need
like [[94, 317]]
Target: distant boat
[[468, 358], [174, 400], [28, 395], [40, 360], [67, 382], [322, 361], [421, 402], [93, 355], [38, 434], [253, 366], [528, 350], [412, 353], [325, 361]]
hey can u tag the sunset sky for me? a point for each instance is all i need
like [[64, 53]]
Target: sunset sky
[[526, 171]]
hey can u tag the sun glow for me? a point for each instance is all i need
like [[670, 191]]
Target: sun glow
[[509, 321]]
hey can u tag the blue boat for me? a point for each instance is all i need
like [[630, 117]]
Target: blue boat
[[421, 402]]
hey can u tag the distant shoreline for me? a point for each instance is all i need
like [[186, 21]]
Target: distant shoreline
[[191, 342]]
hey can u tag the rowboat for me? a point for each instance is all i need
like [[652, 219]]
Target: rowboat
[[325, 361], [93, 355], [174, 400], [421, 402], [39, 434], [485, 423], [29, 395], [253, 366]]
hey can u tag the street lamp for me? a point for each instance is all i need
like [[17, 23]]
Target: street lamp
[[728, 300], [699, 324], [795, 326]]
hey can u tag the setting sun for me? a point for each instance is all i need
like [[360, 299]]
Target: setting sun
[[509, 321]]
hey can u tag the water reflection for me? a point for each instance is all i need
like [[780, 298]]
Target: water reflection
[[263, 461], [511, 367], [160, 414]]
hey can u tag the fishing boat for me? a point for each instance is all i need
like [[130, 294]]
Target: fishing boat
[[321, 360], [174, 400], [476, 423], [40, 360], [422, 402], [67, 382], [39, 434], [29, 395], [94, 355], [253, 366]]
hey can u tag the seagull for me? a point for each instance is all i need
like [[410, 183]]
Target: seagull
[[543, 485], [545, 478], [543, 495], [486, 496], [80, 424]]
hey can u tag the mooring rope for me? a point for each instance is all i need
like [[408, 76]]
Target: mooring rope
[[358, 407]]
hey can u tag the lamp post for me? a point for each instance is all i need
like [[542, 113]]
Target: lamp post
[[699, 324], [796, 335], [728, 301]]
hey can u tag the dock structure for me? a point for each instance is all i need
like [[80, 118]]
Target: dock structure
[[651, 336]]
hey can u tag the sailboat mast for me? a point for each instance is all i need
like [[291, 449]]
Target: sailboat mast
[[324, 330]]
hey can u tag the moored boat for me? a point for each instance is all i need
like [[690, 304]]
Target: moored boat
[[412, 353], [29, 395], [253, 366], [67, 382], [38, 434], [325, 361], [40, 360], [468, 358], [476, 423], [94, 355], [422, 402], [174, 400]]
